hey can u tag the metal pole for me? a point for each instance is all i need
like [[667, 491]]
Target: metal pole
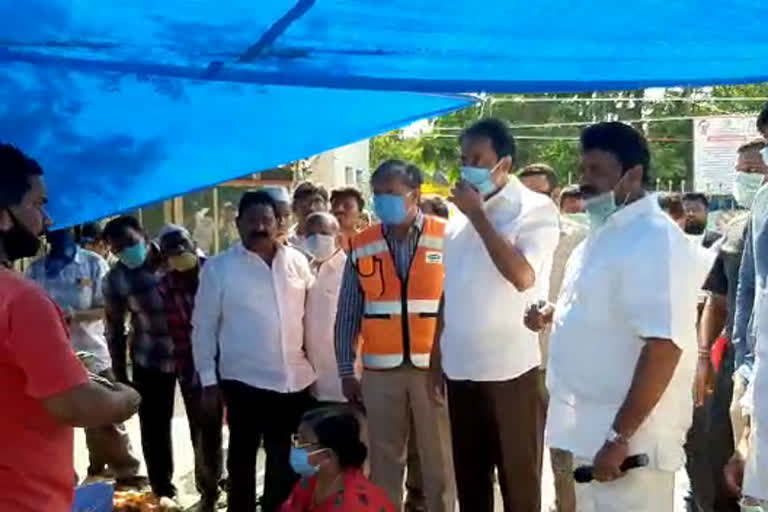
[[216, 220]]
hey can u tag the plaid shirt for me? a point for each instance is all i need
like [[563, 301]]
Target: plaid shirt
[[136, 292], [178, 295]]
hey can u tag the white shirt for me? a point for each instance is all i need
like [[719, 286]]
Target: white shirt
[[484, 338], [629, 280], [322, 301], [756, 403], [254, 315]]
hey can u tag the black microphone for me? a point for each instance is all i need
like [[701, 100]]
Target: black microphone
[[583, 474]]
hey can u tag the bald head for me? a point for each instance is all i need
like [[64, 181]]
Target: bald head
[[322, 223]]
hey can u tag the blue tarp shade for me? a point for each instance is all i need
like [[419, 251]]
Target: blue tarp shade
[[208, 89], [111, 142]]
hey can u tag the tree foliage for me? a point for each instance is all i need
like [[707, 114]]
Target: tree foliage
[[670, 141]]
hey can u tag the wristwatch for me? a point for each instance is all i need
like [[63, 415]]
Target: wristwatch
[[616, 438]]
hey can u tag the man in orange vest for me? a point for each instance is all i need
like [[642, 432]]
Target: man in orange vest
[[390, 296]]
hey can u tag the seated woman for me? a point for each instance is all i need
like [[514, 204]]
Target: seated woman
[[329, 455]]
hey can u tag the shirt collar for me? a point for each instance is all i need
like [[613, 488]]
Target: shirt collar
[[338, 259], [79, 256], [249, 254], [643, 206], [508, 194]]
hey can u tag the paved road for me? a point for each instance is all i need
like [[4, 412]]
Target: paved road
[[184, 462]]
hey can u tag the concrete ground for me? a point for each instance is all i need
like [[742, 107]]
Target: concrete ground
[[184, 463]]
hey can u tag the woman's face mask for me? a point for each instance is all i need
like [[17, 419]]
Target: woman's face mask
[[300, 462], [183, 262]]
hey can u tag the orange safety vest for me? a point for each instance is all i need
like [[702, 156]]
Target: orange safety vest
[[399, 320]]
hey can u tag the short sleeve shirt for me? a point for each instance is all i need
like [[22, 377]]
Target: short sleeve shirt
[[630, 280], [36, 362], [78, 286], [484, 338]]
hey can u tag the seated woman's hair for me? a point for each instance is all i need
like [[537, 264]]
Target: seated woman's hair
[[338, 429]]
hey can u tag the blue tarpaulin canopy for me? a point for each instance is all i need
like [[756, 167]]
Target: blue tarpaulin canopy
[[126, 102]]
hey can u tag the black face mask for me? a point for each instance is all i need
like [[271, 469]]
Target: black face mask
[[19, 242], [694, 227]]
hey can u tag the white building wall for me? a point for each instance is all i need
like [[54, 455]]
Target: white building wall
[[346, 165]]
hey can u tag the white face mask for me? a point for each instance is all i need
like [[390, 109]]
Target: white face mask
[[321, 247], [745, 188]]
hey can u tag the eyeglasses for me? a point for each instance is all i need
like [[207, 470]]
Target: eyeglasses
[[297, 442]]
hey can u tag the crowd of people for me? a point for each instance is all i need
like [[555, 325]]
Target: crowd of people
[[407, 364]]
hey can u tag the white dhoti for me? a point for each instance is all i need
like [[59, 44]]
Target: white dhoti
[[640, 490]]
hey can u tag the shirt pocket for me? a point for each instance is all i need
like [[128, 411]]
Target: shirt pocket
[[81, 297], [294, 292]]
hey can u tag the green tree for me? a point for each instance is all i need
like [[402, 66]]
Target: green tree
[[557, 144]]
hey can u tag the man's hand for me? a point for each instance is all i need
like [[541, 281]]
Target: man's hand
[[436, 384], [539, 316], [607, 463], [734, 474], [467, 199], [702, 385], [210, 401], [352, 390], [131, 400]]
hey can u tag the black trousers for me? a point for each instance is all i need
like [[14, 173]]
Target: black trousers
[[254, 414], [709, 445], [157, 390], [497, 425]]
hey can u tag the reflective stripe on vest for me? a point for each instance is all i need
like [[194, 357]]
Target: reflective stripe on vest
[[370, 250], [431, 242], [387, 361], [382, 361], [395, 308]]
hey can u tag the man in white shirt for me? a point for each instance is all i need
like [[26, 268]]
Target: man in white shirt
[[623, 348], [328, 260], [495, 250], [248, 344]]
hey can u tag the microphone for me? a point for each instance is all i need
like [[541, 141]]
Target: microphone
[[583, 474]]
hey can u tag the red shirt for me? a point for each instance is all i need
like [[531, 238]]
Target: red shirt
[[358, 494], [36, 362]]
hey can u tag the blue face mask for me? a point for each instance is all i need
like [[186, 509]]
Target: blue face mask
[[390, 209], [299, 460], [134, 256], [478, 177], [599, 208]]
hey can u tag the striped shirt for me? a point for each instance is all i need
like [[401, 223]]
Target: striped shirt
[[349, 316]]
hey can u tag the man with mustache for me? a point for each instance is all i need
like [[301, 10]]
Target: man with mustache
[[623, 349], [248, 347]]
